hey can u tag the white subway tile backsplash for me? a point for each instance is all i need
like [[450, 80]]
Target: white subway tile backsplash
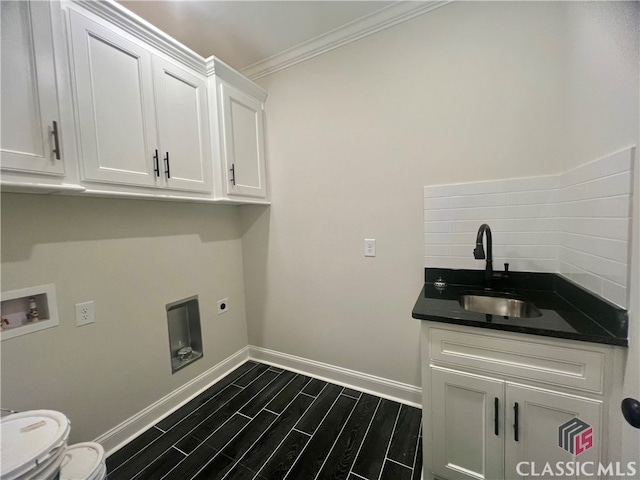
[[576, 223], [614, 292]]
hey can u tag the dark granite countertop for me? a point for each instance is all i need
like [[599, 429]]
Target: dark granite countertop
[[567, 310]]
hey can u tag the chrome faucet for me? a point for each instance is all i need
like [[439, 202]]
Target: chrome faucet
[[479, 254]]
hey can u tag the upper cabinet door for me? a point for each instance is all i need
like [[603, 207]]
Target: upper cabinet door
[[243, 143], [183, 123], [114, 88], [29, 99]]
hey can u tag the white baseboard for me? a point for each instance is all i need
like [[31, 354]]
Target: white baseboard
[[145, 419], [381, 387]]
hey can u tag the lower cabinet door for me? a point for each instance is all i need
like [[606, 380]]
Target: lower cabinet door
[[550, 434], [467, 426]]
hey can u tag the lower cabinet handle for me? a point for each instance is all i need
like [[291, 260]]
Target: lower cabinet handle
[[166, 166], [495, 416], [233, 173], [56, 141], [156, 166], [515, 425]]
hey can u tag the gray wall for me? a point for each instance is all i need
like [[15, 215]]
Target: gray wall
[[472, 91], [131, 258]]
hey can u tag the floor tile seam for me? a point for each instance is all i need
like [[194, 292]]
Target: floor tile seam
[[173, 446], [243, 415], [344, 424], [251, 446], [139, 474], [365, 435], [326, 384], [184, 418], [193, 429], [216, 450], [325, 415], [274, 395], [208, 416], [395, 423], [292, 429], [398, 463], [351, 472], [415, 455], [143, 449], [239, 460], [208, 400], [294, 397], [303, 393], [292, 400], [304, 449], [174, 467], [257, 393]]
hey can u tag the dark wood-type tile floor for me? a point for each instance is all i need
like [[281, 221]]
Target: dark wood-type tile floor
[[263, 423]]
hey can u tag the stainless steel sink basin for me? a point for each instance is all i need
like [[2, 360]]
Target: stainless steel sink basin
[[505, 305]]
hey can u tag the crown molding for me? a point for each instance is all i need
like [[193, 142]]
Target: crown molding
[[368, 25], [141, 29]]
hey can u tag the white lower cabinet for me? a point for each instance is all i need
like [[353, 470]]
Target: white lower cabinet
[[491, 429], [504, 407]]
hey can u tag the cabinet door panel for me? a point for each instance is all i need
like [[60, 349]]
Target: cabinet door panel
[[115, 104], [29, 98], [540, 414], [243, 133], [183, 127], [463, 440]]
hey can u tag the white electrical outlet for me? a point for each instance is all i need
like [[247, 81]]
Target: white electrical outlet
[[85, 313], [223, 306], [369, 247]]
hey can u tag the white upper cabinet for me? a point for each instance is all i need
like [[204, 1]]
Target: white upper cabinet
[[143, 120], [181, 106], [114, 89], [31, 140], [243, 143]]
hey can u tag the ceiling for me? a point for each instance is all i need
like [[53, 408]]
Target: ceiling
[[244, 33]]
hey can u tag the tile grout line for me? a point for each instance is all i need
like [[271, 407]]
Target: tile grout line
[[365, 436], [288, 433], [184, 418], [219, 452], [294, 429], [346, 420], [356, 475], [399, 463], [224, 423], [173, 446], [314, 432], [393, 430], [415, 455], [274, 396]]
